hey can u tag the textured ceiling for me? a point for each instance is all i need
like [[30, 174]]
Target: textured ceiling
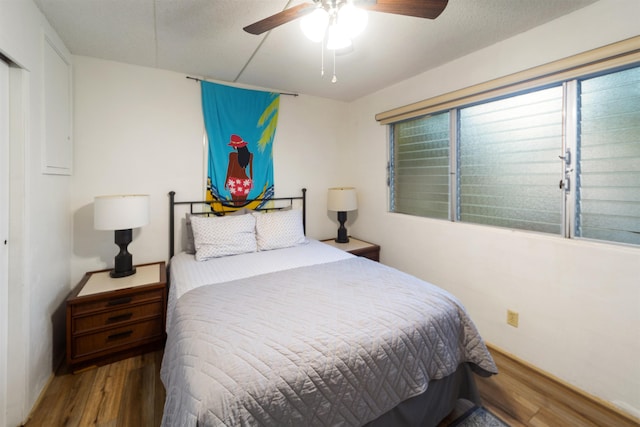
[[204, 38]]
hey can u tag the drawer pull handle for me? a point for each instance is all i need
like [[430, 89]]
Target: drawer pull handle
[[119, 318], [118, 301], [119, 336]]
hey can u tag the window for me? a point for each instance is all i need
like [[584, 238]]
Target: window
[[420, 166], [608, 178], [561, 159], [508, 162]]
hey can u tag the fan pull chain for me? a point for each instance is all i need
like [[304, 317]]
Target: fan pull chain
[[322, 59], [334, 78]]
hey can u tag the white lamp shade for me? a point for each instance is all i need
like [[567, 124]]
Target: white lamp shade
[[120, 212], [342, 199]]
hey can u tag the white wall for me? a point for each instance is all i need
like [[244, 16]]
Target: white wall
[[140, 130], [40, 224], [579, 302]]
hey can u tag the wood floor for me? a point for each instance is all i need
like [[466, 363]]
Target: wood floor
[[523, 395], [125, 393], [130, 393]]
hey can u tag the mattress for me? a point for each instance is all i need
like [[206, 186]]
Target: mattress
[[339, 342]]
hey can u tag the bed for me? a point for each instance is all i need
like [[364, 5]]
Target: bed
[[283, 330]]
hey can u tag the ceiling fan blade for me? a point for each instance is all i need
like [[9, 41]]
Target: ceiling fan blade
[[430, 9], [280, 18]]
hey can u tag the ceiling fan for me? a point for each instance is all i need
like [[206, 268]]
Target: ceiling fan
[[429, 9], [338, 21]]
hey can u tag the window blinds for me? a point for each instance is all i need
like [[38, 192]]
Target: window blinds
[[594, 61]]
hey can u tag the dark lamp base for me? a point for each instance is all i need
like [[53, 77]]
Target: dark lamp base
[[342, 231], [123, 263], [116, 274]]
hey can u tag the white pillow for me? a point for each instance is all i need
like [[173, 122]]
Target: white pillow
[[221, 236], [280, 229], [189, 242]]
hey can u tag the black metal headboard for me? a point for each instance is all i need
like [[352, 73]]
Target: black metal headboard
[[278, 205]]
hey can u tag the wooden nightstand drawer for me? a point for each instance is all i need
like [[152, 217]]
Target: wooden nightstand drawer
[[113, 318], [85, 345], [117, 301]]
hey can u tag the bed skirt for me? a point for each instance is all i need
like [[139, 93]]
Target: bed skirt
[[432, 406]]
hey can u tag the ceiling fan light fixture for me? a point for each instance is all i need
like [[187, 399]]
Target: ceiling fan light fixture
[[338, 21], [353, 19], [337, 37], [314, 25]]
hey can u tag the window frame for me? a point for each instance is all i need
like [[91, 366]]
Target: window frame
[[569, 146]]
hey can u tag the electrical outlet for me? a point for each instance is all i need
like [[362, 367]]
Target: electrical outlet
[[512, 318]]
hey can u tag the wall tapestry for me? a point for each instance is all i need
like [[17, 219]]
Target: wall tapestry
[[240, 125]]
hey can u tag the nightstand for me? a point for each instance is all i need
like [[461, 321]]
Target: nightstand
[[357, 247], [110, 319]]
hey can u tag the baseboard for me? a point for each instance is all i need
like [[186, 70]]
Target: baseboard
[[58, 360], [561, 393], [39, 398]]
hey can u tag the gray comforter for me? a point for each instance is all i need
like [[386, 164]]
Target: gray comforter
[[330, 344]]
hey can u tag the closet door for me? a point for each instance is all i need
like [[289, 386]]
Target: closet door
[[4, 234]]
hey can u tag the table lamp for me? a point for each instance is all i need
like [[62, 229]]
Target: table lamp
[[341, 200], [121, 213]]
